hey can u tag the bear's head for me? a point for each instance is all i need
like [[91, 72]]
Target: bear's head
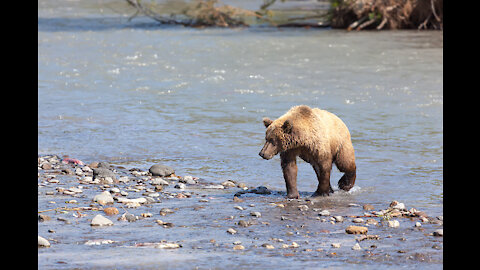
[[278, 137]]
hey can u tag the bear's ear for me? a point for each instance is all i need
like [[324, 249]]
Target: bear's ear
[[267, 121], [287, 127]]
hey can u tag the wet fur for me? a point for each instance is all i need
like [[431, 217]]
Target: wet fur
[[316, 136]]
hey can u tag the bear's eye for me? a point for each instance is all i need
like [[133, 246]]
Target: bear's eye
[[271, 141]]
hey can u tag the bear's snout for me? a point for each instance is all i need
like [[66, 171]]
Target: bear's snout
[[268, 151]]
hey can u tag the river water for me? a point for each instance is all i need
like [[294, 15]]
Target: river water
[[135, 94]]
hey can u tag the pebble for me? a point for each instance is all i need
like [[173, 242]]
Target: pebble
[[103, 198], [357, 220], [43, 218], [324, 213], [268, 246], [42, 242], [161, 170], [255, 214], [214, 187], [102, 172], [100, 220], [418, 224], [159, 181], [238, 207], [368, 207], [229, 183], [180, 186], [238, 247], [231, 231], [243, 223], [372, 221], [338, 218], [356, 247], [98, 242], [438, 232], [110, 211], [336, 245], [356, 230], [188, 179], [393, 223]]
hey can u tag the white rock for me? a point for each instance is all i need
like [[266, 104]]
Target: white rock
[[418, 224], [338, 218], [105, 196], [214, 187], [123, 179], [357, 220], [158, 181], [256, 214], [399, 206], [100, 220], [231, 231], [98, 242], [393, 223], [180, 186], [42, 242], [336, 245], [324, 213], [356, 247]]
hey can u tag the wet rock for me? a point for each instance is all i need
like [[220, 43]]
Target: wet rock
[[231, 231], [268, 246], [43, 218], [418, 224], [42, 242], [397, 205], [238, 247], [180, 186], [98, 242], [159, 181], [338, 218], [236, 199], [188, 180], [438, 232], [368, 207], [393, 223], [129, 217], [168, 245], [165, 211], [47, 166], [261, 190], [255, 214], [372, 221], [324, 213], [336, 245], [161, 170], [243, 223], [214, 187], [110, 211], [102, 172], [229, 183], [100, 220], [356, 247], [356, 230], [103, 198], [357, 220]]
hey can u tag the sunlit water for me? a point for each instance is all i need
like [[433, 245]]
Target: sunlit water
[[135, 93]]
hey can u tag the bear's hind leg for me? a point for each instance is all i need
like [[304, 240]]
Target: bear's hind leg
[[323, 176], [289, 169], [345, 162]]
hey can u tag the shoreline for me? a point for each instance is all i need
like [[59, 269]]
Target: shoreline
[[85, 205]]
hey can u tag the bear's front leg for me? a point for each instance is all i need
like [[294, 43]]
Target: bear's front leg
[[323, 175], [289, 169]]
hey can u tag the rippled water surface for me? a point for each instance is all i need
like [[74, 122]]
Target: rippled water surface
[[135, 94]]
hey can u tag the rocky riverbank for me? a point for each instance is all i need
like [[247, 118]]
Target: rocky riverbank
[[82, 206]]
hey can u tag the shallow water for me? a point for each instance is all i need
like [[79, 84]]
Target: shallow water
[[135, 94]]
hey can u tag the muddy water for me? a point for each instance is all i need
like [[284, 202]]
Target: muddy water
[[135, 94]]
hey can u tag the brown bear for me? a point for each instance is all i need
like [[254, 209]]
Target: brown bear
[[316, 136]]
